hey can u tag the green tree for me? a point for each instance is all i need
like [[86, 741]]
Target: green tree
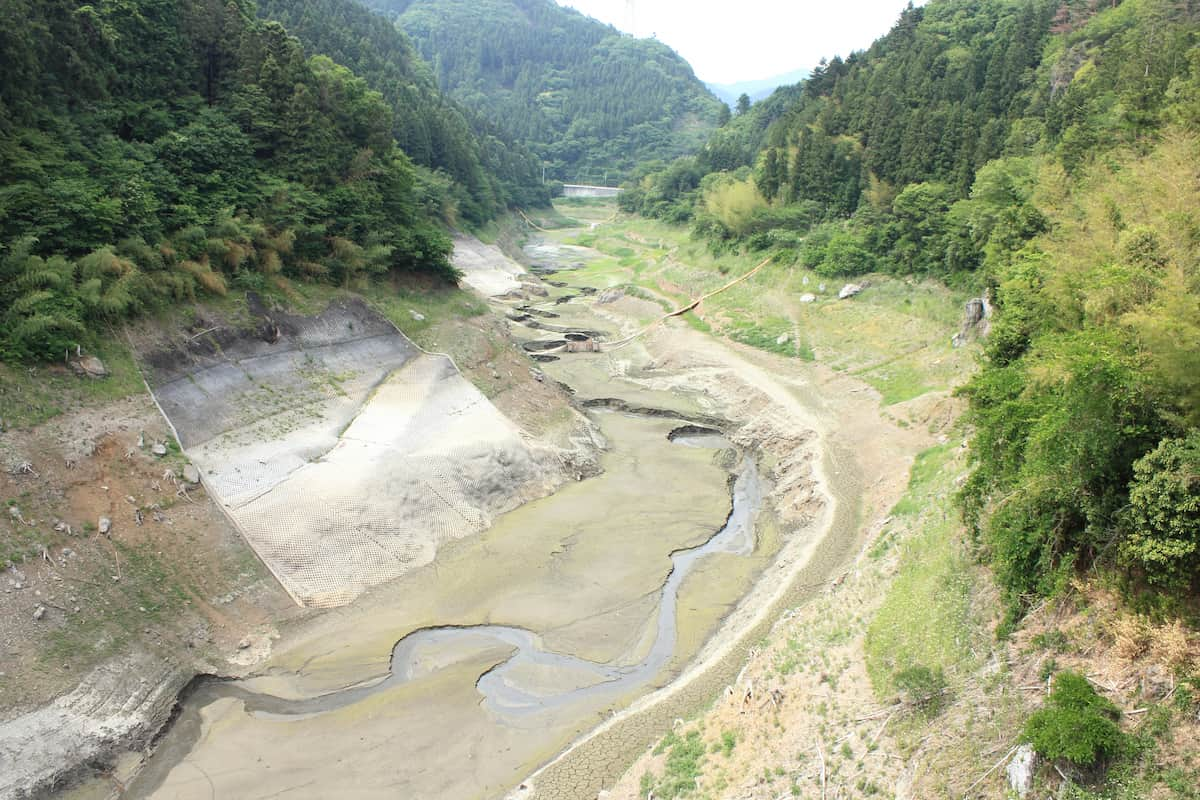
[[1075, 725], [1162, 522]]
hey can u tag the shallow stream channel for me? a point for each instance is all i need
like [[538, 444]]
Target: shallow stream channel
[[464, 676]]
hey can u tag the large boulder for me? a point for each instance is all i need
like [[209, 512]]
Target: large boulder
[[90, 367], [1021, 769], [849, 290]]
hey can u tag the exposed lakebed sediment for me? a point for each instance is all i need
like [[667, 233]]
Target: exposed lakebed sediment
[[467, 673]]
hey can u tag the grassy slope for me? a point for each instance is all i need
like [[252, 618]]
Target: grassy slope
[[895, 335], [928, 603]]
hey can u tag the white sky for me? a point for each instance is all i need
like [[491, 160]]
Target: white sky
[[727, 41]]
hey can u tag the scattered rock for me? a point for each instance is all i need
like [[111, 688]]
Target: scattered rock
[[808, 297], [849, 290], [245, 643], [270, 332], [1021, 770], [416, 315], [24, 468], [90, 366], [782, 339], [610, 295], [1156, 682], [39, 612], [104, 525], [159, 449], [536, 289], [804, 280], [190, 473]]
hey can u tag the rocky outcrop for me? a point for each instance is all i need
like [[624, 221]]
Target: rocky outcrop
[[117, 708], [977, 320], [1021, 770]]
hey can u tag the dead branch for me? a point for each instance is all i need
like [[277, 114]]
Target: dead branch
[[821, 755], [879, 732], [879, 713], [992, 769]]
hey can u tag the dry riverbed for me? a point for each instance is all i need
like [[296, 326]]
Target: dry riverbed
[[574, 584]]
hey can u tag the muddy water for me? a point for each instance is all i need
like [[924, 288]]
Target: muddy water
[[461, 678], [516, 690]]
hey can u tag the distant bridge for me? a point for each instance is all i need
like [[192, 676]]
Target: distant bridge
[[583, 190]]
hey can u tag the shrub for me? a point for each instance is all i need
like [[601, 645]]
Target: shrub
[[1162, 522], [1075, 725], [684, 758], [923, 687]]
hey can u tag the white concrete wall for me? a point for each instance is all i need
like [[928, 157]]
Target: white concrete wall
[[577, 190]]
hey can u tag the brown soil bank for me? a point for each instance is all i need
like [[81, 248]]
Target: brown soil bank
[[115, 624], [119, 621]]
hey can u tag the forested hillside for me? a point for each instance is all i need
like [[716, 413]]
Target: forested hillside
[[587, 99], [489, 171], [1047, 152], [154, 149]]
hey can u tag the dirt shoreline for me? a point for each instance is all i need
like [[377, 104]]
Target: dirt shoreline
[[836, 466], [843, 420]]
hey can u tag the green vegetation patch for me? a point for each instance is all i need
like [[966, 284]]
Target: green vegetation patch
[[925, 621], [1075, 725], [685, 757], [30, 395]]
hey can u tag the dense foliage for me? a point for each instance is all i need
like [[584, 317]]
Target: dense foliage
[[150, 149], [488, 171], [1050, 153], [1076, 725], [589, 101], [924, 108], [1163, 518]]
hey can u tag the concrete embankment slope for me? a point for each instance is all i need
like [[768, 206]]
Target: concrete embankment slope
[[344, 453]]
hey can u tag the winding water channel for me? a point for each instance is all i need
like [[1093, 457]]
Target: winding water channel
[[508, 690], [464, 676]]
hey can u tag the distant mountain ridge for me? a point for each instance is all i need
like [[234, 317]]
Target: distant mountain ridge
[[589, 100], [756, 89]]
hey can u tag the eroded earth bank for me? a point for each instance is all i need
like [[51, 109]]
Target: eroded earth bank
[[512, 605]]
